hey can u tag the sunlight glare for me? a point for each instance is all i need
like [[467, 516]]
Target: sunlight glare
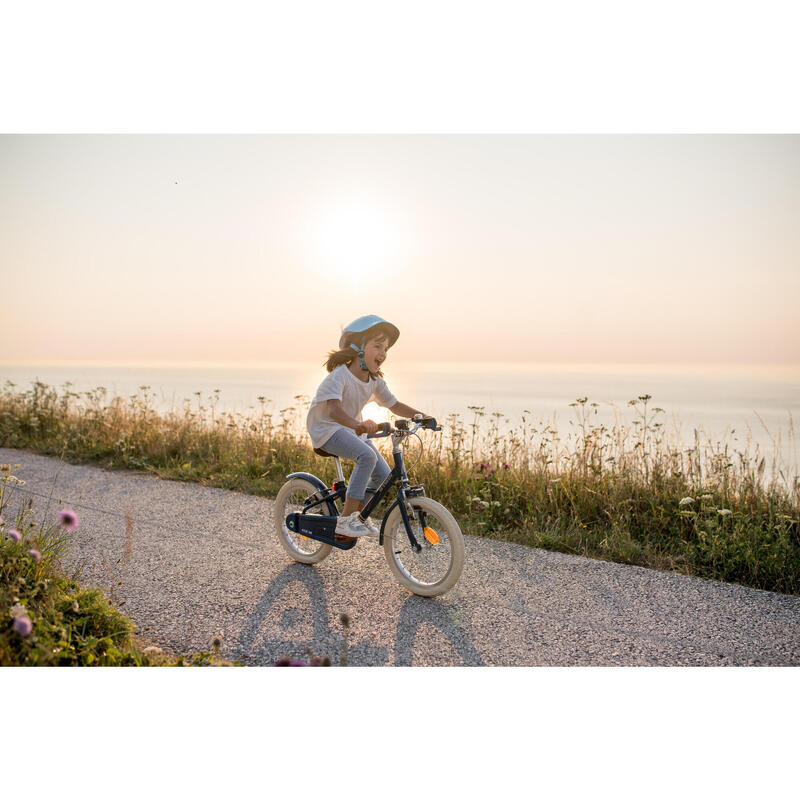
[[352, 242], [375, 412]]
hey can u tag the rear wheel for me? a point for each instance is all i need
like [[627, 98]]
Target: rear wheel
[[292, 497], [437, 566]]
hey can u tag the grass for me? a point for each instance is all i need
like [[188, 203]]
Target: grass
[[631, 493]]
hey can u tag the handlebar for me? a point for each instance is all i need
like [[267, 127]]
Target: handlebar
[[385, 428]]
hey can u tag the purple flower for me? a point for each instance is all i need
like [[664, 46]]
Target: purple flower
[[285, 661], [68, 518], [35, 555], [14, 534], [479, 506], [22, 625], [505, 466]]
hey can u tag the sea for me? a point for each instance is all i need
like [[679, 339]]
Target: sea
[[756, 405]]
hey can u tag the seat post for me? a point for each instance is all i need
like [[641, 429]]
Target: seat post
[[339, 468]]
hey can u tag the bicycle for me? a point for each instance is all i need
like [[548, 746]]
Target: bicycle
[[421, 539]]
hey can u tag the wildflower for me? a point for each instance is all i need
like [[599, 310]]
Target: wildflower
[[706, 496], [479, 506], [285, 661], [14, 534], [723, 512], [18, 610], [505, 466], [68, 518], [35, 555], [686, 501], [23, 626]]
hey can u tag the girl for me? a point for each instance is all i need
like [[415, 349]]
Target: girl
[[334, 418]]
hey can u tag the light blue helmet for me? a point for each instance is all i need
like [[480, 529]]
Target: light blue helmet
[[359, 330]]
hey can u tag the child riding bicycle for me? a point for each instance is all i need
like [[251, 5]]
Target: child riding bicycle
[[334, 420]]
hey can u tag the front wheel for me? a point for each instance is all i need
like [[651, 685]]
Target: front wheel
[[292, 498], [437, 566]]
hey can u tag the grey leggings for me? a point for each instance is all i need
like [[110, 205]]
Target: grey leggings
[[370, 464]]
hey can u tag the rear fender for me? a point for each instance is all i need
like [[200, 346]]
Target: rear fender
[[318, 484]]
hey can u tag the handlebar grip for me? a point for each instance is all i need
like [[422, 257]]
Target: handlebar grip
[[384, 429]]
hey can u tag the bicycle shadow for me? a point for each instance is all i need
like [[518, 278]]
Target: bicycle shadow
[[325, 641], [419, 610]]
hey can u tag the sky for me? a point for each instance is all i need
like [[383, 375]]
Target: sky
[[527, 248]]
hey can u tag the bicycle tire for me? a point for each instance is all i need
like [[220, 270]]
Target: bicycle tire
[[437, 567]]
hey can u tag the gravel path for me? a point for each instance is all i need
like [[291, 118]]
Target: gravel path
[[193, 561]]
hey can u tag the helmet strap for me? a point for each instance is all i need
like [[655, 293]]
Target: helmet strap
[[362, 363]]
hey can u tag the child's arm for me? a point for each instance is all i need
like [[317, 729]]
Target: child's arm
[[338, 414], [402, 410]]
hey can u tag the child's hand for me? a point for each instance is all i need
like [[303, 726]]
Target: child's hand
[[367, 426]]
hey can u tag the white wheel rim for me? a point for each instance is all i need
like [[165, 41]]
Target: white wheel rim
[[439, 557]]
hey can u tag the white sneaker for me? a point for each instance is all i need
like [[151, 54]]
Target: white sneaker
[[375, 531], [352, 526]]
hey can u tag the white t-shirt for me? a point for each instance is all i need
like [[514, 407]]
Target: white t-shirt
[[342, 385]]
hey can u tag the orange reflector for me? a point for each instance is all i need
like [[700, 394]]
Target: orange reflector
[[431, 535], [304, 537]]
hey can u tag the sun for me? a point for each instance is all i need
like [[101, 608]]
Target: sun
[[351, 242]]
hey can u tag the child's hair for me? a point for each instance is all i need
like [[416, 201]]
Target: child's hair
[[338, 357], [346, 355]]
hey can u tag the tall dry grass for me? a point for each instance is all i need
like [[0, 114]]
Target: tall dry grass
[[628, 492]]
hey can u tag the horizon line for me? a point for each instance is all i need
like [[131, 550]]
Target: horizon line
[[422, 365]]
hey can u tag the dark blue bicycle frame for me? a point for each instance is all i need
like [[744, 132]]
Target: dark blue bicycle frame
[[397, 475]]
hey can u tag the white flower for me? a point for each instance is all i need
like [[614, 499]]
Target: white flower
[[723, 512], [18, 610], [706, 496], [686, 501]]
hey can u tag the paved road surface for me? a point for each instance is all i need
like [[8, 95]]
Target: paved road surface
[[195, 561]]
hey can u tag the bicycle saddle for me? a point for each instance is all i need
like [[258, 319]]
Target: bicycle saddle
[[320, 452]]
